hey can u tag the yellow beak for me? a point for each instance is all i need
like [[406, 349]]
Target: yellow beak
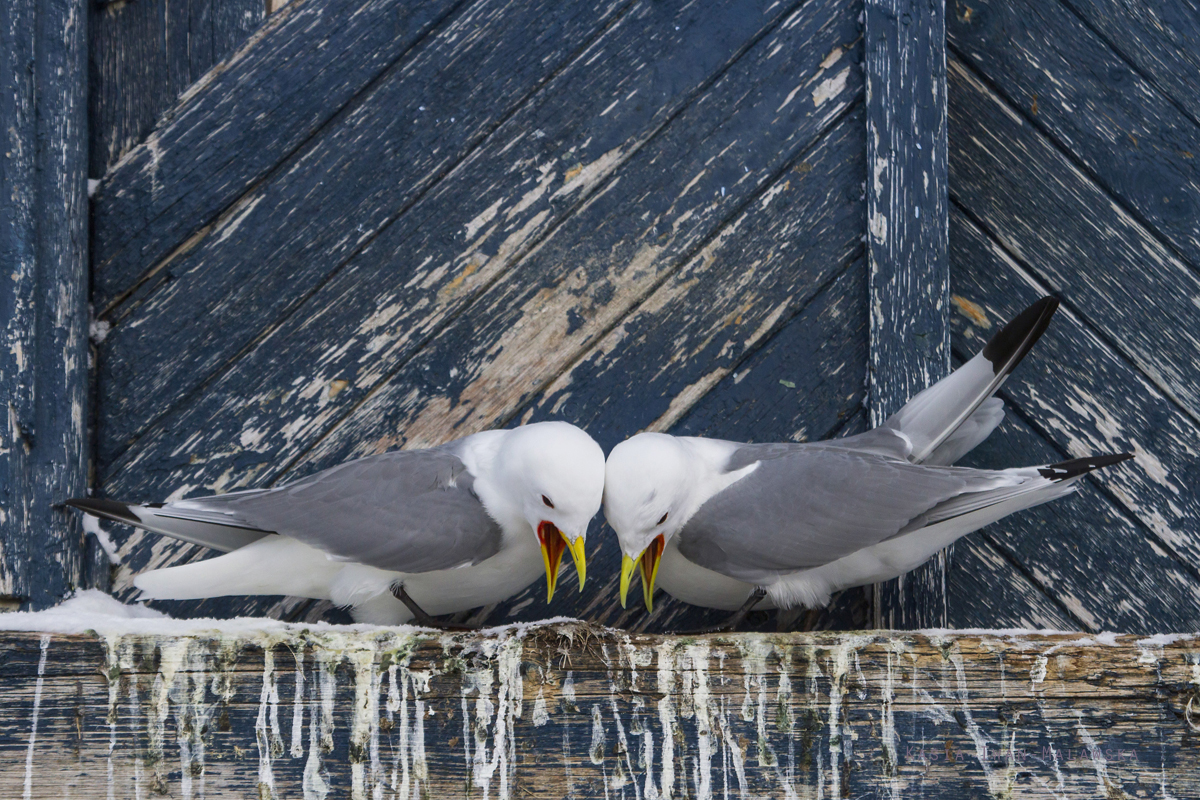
[[628, 565], [649, 560], [579, 556], [553, 545]]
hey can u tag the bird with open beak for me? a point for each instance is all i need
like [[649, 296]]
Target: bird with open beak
[[738, 526], [409, 534]]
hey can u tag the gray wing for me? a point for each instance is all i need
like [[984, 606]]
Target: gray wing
[[808, 505], [408, 511]]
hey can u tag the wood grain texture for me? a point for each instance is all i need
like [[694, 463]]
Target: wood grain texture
[[909, 274], [336, 195], [1069, 85], [43, 296], [571, 710], [145, 54], [1091, 253], [1158, 37], [234, 126], [1076, 392], [642, 225]]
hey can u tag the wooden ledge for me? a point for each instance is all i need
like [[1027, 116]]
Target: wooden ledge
[[571, 709]]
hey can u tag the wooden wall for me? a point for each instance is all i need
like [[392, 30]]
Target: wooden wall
[[605, 219]]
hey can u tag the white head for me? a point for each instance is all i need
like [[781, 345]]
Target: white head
[[647, 499], [554, 473]]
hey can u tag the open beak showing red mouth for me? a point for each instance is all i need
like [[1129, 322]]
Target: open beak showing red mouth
[[649, 562], [554, 544]]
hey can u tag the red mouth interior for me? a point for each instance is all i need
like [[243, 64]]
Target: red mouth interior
[[651, 556], [553, 541]]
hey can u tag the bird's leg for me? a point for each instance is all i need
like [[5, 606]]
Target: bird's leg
[[421, 615], [739, 616]]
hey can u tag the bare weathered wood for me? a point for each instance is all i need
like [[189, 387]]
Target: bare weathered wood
[[1127, 289], [1135, 141], [145, 54], [908, 269], [43, 296], [627, 238], [571, 710]]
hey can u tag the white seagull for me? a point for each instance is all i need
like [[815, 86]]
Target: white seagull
[[402, 535], [734, 526]]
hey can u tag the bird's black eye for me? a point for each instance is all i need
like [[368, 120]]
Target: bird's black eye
[[664, 519], [546, 500]]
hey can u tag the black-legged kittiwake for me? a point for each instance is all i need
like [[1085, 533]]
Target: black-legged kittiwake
[[734, 526], [405, 534]]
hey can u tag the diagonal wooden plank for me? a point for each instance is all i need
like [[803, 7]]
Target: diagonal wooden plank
[[145, 54], [1089, 251], [43, 298], [745, 127], [1159, 38], [761, 269], [699, 176], [234, 126], [382, 313], [906, 244], [226, 299], [1087, 398], [1131, 138]]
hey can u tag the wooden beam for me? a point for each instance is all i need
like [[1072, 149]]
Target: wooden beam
[[43, 295], [908, 268], [573, 710]]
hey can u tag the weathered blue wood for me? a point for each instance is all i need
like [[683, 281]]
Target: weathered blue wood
[[1082, 396], [1158, 37], [601, 239], [43, 297], [906, 219], [303, 68], [320, 207], [587, 712], [1099, 260], [1068, 84], [145, 54]]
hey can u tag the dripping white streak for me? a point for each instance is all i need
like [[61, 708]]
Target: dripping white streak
[[37, 704]]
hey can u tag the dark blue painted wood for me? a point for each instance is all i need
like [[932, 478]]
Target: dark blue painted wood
[[906, 220], [43, 297], [307, 64], [601, 238], [145, 54], [1066, 82], [1132, 293], [1119, 555], [327, 201], [1158, 37]]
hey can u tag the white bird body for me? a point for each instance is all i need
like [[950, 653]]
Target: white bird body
[[458, 526], [730, 526]]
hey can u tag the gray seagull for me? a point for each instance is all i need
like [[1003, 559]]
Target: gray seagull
[[402, 535], [735, 526]]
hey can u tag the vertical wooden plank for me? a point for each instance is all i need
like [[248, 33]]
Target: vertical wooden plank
[[909, 274], [43, 295]]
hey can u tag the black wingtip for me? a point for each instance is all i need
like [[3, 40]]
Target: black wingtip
[[1081, 466], [1010, 344], [106, 509]]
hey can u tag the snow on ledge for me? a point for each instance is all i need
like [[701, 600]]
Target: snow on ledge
[[91, 610]]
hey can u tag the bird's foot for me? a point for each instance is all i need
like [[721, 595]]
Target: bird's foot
[[735, 619], [422, 617]]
